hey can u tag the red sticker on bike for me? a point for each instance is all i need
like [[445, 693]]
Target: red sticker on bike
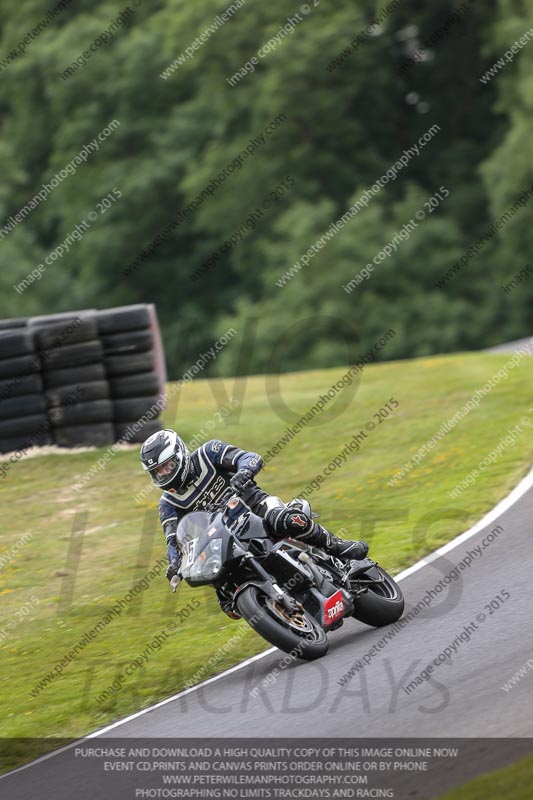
[[334, 608]]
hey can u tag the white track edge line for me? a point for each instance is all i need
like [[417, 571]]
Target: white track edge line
[[504, 505]]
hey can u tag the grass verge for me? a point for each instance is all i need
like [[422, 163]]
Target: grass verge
[[513, 783], [60, 584]]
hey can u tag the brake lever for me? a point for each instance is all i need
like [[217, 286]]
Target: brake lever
[[218, 505]]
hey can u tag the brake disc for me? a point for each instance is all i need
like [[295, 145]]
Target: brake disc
[[295, 620]]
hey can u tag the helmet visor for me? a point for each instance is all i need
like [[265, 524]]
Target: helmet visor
[[163, 474]]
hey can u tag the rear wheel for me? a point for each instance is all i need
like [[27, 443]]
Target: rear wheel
[[383, 602], [297, 633]]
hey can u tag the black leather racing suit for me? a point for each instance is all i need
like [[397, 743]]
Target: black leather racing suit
[[212, 467]]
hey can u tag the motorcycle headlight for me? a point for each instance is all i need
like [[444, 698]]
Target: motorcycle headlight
[[209, 561]]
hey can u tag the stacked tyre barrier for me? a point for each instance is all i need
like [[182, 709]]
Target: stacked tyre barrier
[[131, 341], [23, 419], [88, 378], [75, 381]]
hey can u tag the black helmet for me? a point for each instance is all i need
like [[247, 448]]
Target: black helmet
[[165, 456]]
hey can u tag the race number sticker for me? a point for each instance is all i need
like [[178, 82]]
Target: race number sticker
[[189, 554]]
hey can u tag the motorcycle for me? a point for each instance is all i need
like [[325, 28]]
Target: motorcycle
[[290, 593]]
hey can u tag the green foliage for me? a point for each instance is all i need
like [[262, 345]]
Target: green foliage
[[342, 129]]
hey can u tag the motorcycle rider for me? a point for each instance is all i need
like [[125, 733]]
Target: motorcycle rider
[[191, 481]]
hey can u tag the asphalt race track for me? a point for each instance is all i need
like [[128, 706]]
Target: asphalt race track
[[463, 696]]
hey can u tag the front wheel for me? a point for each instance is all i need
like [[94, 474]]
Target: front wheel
[[298, 633], [382, 603]]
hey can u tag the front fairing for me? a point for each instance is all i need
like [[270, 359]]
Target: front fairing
[[205, 545]]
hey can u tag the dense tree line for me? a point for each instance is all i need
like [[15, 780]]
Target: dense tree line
[[225, 185]]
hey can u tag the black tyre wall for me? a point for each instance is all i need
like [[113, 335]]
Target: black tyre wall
[[24, 426], [98, 435], [23, 406], [123, 318], [134, 436], [15, 387], [20, 365], [81, 413], [73, 355], [140, 384], [79, 393], [74, 375], [15, 343], [82, 329]]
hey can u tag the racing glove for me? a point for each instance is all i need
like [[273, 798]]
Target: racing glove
[[240, 479], [172, 569]]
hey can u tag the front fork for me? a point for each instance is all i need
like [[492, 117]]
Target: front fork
[[267, 585]]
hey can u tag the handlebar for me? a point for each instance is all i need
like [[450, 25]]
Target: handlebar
[[224, 498]]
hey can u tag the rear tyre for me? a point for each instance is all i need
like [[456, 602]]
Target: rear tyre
[[301, 635], [383, 603]]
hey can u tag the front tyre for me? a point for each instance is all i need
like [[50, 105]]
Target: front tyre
[[383, 602], [298, 634]]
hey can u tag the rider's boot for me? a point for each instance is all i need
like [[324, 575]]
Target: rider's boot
[[293, 521], [345, 549]]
